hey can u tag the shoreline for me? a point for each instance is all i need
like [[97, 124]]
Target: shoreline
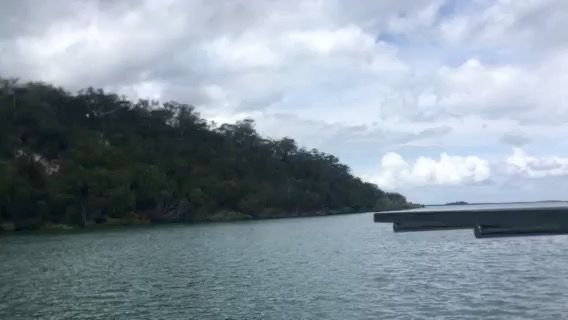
[[8, 227]]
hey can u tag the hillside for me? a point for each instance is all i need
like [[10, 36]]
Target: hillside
[[94, 157]]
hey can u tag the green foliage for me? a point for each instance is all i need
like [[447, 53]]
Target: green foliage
[[82, 158], [393, 201]]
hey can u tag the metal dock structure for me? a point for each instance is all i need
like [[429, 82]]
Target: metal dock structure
[[486, 222]]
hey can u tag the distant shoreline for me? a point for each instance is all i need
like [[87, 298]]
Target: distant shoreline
[[70, 229], [486, 203]]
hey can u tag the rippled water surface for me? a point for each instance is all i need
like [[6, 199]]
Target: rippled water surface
[[342, 267]]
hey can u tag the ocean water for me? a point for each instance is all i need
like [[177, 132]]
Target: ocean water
[[338, 267]]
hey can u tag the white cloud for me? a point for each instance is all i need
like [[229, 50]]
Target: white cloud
[[520, 163], [395, 172], [350, 39], [489, 91], [529, 94], [244, 52], [507, 26]]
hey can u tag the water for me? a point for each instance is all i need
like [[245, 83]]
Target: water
[[341, 267]]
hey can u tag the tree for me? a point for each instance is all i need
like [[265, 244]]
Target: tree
[[82, 158]]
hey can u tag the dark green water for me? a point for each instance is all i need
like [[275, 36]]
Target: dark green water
[[342, 267]]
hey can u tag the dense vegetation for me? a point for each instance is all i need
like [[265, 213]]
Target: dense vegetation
[[94, 157]]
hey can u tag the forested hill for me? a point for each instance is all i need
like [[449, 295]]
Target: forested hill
[[94, 157]]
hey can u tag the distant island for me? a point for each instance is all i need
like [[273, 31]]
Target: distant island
[[95, 158], [457, 203]]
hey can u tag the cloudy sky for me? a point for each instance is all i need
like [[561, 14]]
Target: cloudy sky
[[440, 100]]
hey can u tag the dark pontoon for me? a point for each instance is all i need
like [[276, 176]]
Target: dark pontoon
[[486, 221]]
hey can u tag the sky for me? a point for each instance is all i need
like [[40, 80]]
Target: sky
[[440, 100]]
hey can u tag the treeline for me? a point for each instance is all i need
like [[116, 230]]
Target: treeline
[[95, 157]]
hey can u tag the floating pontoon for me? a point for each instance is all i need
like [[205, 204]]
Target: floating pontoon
[[486, 221]]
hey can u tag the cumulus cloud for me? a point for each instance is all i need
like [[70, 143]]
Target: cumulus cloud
[[242, 53], [302, 51], [522, 164], [509, 25], [395, 171], [474, 87]]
